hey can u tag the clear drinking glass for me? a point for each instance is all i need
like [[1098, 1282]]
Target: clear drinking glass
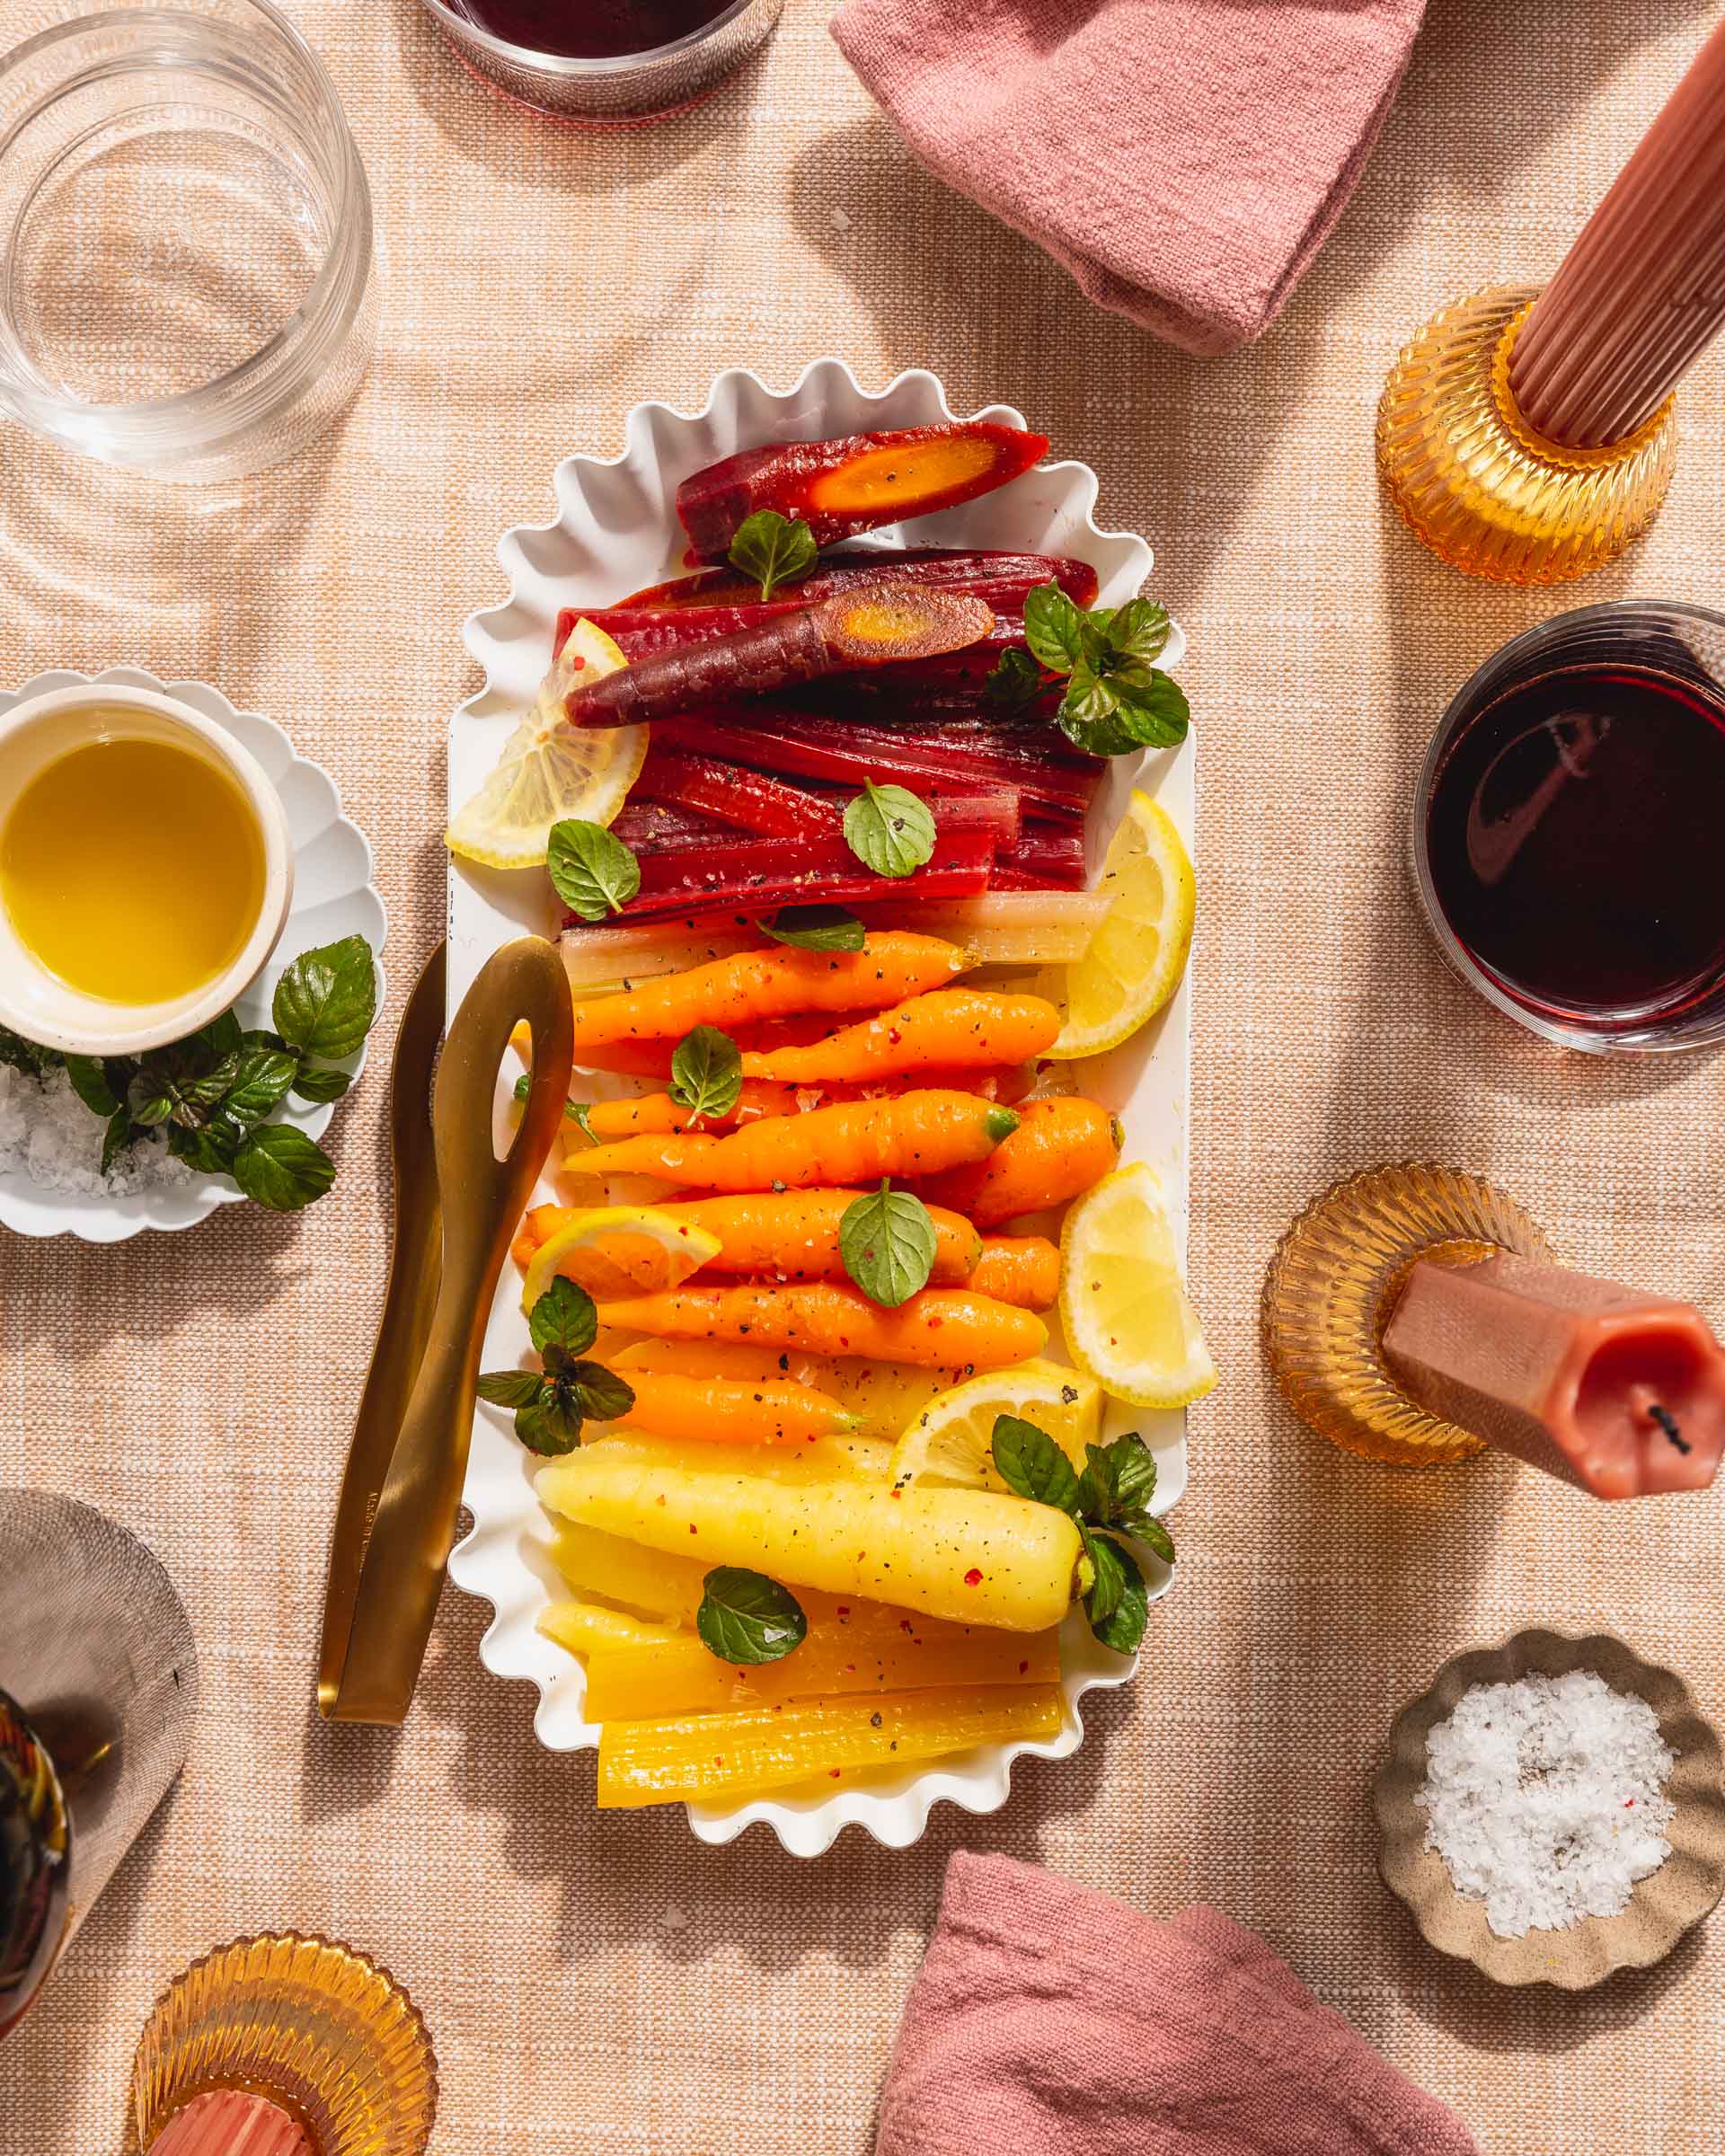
[[98, 1691], [610, 92], [1567, 826], [185, 236]]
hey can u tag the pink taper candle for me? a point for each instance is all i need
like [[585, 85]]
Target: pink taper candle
[[1641, 293], [1619, 1391], [228, 2122]]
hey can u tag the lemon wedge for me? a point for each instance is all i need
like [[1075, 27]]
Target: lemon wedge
[[617, 1251], [1137, 956], [550, 769], [949, 1442], [1123, 1304]]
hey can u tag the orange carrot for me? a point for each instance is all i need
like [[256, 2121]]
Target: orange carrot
[[727, 1412], [852, 1142], [795, 1237], [654, 1114], [734, 1359], [756, 984], [1024, 1269], [539, 1223], [1060, 1147], [953, 1027], [941, 1327]]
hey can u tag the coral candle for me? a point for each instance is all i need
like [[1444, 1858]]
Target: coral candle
[[1620, 1392]]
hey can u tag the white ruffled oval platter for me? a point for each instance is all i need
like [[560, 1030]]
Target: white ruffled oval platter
[[616, 530], [334, 896]]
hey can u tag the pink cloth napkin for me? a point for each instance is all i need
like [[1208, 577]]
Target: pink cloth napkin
[[1185, 159], [1048, 2018]]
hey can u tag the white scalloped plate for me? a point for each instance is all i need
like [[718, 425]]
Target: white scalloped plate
[[615, 531], [333, 896]]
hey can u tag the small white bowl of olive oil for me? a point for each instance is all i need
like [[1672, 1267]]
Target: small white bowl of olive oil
[[145, 870]]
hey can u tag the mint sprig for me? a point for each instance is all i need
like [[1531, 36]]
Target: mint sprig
[[745, 1618], [1114, 1492], [551, 1404], [774, 550], [889, 829], [592, 872], [1116, 699]]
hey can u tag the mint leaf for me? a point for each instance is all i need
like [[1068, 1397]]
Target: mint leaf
[[550, 1425], [1031, 1463], [1016, 680], [1118, 1604], [593, 873], [209, 1150], [25, 1056], [772, 550], [280, 1168], [260, 1078], [325, 1002], [324, 1084], [600, 1394], [509, 1388], [887, 1241], [706, 1071], [1120, 1482], [153, 1096], [815, 928], [563, 1318], [1151, 704], [745, 1618], [1054, 628], [1139, 630], [889, 829], [90, 1083]]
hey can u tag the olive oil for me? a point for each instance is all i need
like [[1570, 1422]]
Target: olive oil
[[132, 868]]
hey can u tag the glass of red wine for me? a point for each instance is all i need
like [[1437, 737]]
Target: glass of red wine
[[1569, 829], [609, 63]]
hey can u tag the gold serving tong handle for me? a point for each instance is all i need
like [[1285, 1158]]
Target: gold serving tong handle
[[404, 1547]]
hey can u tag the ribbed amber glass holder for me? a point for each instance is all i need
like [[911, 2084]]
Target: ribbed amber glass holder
[[1333, 1285], [1481, 488], [317, 2029]]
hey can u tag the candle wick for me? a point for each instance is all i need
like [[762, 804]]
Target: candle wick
[[1667, 1422]]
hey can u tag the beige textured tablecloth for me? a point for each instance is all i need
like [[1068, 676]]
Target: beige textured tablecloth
[[605, 1983]]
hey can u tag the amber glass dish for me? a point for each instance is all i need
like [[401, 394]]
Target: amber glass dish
[[1481, 488], [1333, 1285], [317, 2029]]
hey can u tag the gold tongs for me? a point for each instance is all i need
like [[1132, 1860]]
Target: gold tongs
[[456, 1205]]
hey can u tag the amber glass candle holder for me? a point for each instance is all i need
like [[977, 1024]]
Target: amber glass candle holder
[[317, 2030], [1479, 485], [1333, 1287]]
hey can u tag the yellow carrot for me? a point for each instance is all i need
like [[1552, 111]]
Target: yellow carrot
[[1060, 1147], [721, 1757], [1024, 1269], [915, 1133], [953, 1028], [756, 984], [974, 1556], [658, 1674], [584, 1627], [719, 1410], [941, 1328], [852, 1457]]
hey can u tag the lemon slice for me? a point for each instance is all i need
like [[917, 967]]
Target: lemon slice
[[949, 1442], [616, 1251], [550, 769], [1136, 958], [1122, 1302]]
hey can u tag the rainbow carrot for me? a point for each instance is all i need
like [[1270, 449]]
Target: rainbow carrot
[[756, 984], [951, 1027], [1024, 1269], [1060, 1147], [915, 1134], [719, 1410], [941, 1327]]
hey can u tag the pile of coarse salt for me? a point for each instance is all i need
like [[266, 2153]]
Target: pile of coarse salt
[[1545, 1800], [49, 1134]]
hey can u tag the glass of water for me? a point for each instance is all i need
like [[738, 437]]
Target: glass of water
[[185, 236]]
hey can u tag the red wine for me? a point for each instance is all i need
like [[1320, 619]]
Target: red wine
[[590, 29], [1573, 834]]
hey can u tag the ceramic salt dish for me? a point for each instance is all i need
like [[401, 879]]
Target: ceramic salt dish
[[1661, 1908]]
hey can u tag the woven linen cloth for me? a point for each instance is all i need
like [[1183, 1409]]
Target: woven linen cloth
[[605, 1983], [1185, 159], [1047, 2017]]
